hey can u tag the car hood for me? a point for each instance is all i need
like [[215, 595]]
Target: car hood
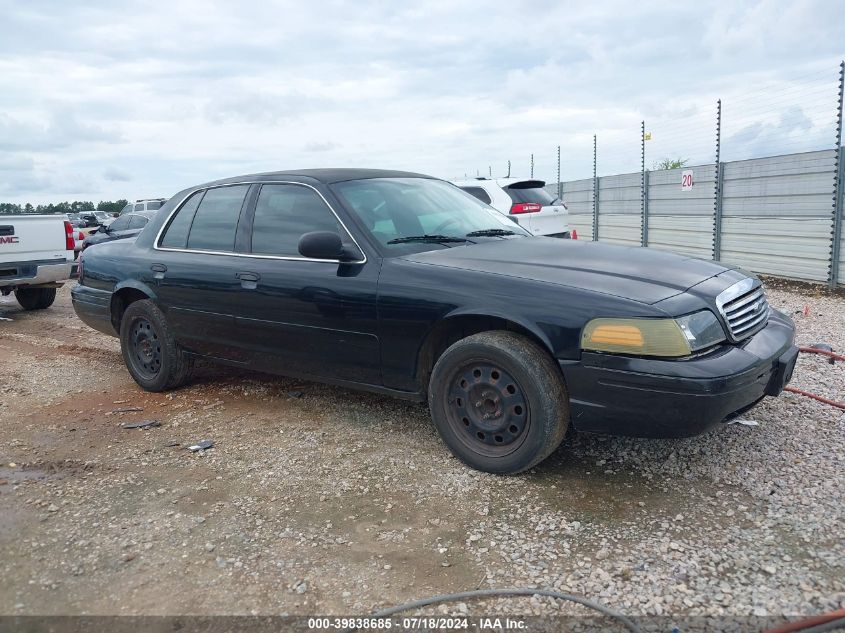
[[642, 274]]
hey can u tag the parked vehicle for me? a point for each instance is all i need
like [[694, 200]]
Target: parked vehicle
[[75, 220], [103, 218], [36, 256], [403, 284], [525, 201], [90, 219], [128, 225], [153, 204]]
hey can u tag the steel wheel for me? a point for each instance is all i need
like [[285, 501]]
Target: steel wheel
[[145, 351], [487, 409]]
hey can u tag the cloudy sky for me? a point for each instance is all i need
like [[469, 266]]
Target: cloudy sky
[[106, 100]]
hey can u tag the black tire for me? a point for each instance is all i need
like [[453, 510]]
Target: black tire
[[35, 298], [499, 402], [151, 354]]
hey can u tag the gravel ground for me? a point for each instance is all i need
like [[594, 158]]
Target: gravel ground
[[338, 502]]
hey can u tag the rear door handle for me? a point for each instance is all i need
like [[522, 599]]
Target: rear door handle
[[249, 280], [158, 270]]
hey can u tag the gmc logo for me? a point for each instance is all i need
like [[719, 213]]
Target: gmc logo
[[10, 239]]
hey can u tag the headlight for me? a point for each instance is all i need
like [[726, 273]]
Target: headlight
[[653, 337]]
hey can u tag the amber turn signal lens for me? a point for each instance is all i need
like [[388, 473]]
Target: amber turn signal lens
[[642, 337]]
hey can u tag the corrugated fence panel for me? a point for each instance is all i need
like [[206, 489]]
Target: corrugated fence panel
[[777, 214], [795, 247], [620, 208], [780, 186], [665, 196], [620, 194], [578, 195], [620, 228], [583, 224], [686, 234]]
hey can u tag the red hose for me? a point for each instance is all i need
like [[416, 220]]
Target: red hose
[[833, 403], [799, 625], [813, 350]]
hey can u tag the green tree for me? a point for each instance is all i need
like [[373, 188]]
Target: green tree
[[670, 163]]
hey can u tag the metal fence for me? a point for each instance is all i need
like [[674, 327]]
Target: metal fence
[[761, 187], [770, 215]]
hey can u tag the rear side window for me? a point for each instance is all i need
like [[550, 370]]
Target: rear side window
[[529, 192], [479, 193], [176, 235], [283, 214], [153, 205], [216, 219], [137, 222], [139, 206]]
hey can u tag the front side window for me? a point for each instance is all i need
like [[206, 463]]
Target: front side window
[[403, 214], [139, 206], [283, 214], [152, 205], [216, 219]]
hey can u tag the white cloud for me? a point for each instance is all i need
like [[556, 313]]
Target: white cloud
[[196, 90]]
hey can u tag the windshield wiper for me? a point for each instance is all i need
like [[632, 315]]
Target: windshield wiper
[[436, 239], [490, 233]]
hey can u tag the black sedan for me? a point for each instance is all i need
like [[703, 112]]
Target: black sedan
[[128, 225], [404, 284]]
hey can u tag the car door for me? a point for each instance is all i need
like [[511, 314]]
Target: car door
[[299, 315], [194, 271]]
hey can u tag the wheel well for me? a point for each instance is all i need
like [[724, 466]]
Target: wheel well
[[120, 301], [456, 328]]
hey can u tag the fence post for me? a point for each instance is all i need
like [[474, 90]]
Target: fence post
[[559, 183], [836, 237], [717, 187], [643, 191], [595, 194]]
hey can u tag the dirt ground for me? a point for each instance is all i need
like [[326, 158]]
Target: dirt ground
[[317, 499]]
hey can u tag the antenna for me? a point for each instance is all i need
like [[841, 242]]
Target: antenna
[[509, 170]]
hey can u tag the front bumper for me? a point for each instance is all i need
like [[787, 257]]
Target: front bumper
[[679, 398]]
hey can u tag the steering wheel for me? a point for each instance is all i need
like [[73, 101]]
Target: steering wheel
[[445, 223]]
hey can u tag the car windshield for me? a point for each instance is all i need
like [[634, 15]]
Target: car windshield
[[418, 214]]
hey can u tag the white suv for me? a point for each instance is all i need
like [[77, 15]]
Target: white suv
[[523, 200], [143, 205]]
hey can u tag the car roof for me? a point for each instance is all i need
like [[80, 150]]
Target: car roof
[[502, 182], [326, 175]]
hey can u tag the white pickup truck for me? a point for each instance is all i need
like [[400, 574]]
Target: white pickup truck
[[36, 256]]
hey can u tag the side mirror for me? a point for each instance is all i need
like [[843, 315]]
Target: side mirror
[[324, 245]]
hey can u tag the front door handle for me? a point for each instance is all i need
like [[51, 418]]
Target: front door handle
[[249, 281], [158, 270]]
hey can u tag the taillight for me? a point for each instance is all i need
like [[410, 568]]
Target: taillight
[[70, 243], [574, 234], [525, 207]]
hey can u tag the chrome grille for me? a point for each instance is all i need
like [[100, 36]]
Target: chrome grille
[[744, 308]]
